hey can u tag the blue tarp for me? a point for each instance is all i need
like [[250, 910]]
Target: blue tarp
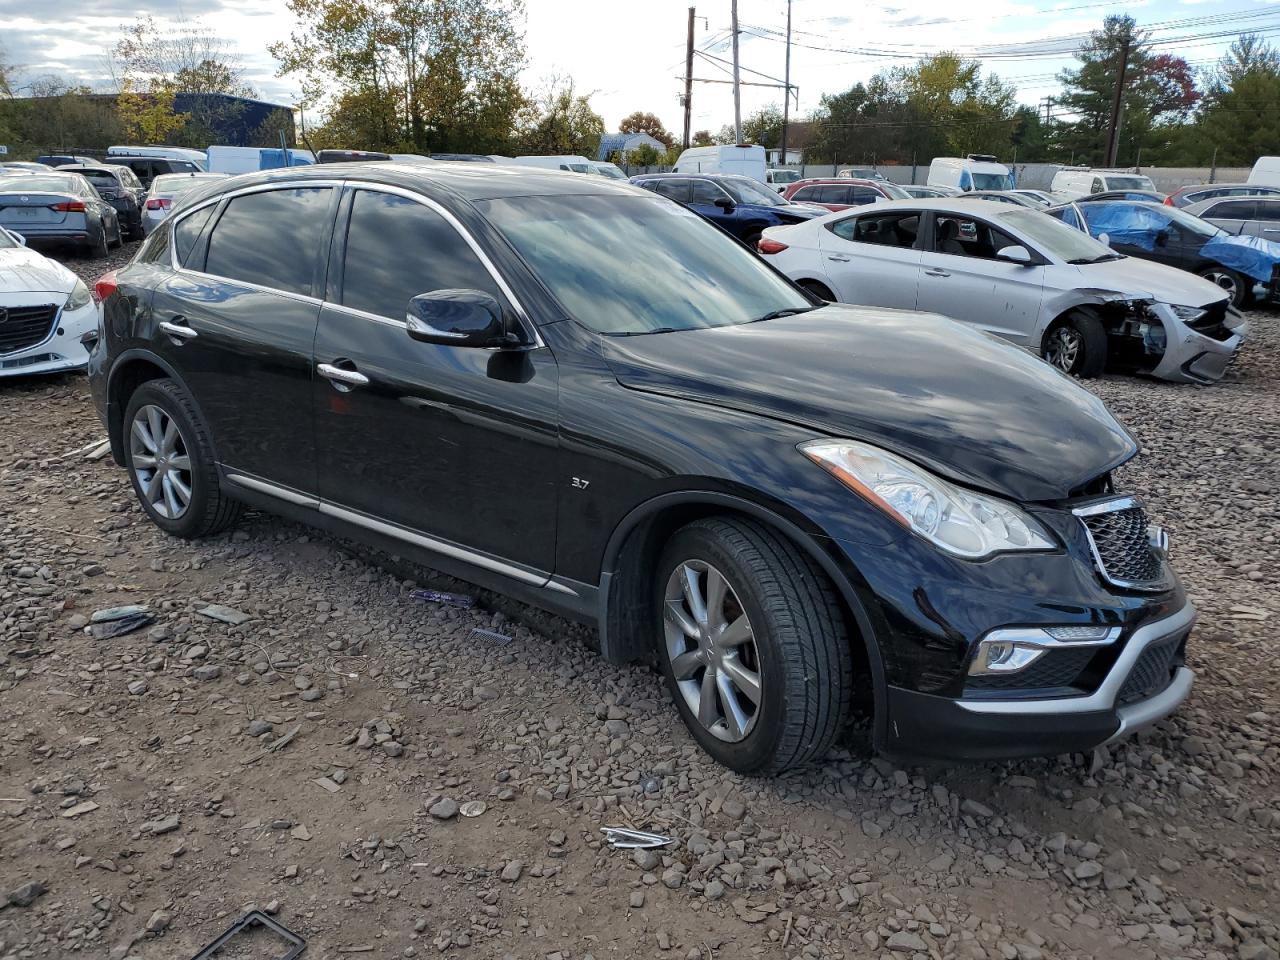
[[1129, 223], [1252, 256]]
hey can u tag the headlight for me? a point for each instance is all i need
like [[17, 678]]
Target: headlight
[[79, 296], [959, 521], [1186, 313]]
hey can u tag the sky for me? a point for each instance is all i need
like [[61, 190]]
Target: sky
[[633, 58]]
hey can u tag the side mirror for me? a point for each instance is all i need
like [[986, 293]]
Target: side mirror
[[1105, 239], [1014, 254], [725, 204], [458, 318], [1162, 238], [15, 237]]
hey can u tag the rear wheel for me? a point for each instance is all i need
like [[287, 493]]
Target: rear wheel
[[117, 239], [98, 248], [752, 645], [1238, 287], [171, 462], [1077, 345]]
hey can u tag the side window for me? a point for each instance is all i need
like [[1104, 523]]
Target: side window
[[187, 231], [966, 237], [672, 189], [1232, 210], [397, 248], [156, 248], [889, 230], [1269, 210], [806, 193], [704, 191], [270, 238], [864, 195]]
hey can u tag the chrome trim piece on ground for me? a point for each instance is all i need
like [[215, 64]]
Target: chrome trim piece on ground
[[1104, 698]]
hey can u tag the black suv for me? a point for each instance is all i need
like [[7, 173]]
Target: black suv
[[119, 187], [582, 394], [147, 169]]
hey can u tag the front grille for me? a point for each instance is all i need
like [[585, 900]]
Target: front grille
[[1117, 532], [1057, 668], [22, 327], [1155, 669], [1213, 323]]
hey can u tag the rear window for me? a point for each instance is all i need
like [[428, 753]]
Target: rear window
[[39, 184], [271, 238]]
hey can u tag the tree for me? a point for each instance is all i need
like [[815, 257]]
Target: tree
[[641, 122], [148, 116], [1159, 92], [6, 76], [764, 126], [644, 156], [702, 138], [1239, 119], [560, 120], [418, 75]]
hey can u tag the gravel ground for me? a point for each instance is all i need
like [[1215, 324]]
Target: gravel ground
[[141, 809]]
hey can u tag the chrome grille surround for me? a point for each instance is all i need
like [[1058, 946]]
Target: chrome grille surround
[[1122, 550]]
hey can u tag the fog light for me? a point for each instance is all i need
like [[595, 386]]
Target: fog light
[[1016, 648]]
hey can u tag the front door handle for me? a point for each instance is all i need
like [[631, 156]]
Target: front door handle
[[935, 272], [1271, 229], [340, 377], [838, 259], [178, 329]]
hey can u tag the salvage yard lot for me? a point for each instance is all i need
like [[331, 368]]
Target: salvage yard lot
[[140, 796]]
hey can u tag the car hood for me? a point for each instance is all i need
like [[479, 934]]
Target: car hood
[[23, 270], [1146, 280], [956, 400]]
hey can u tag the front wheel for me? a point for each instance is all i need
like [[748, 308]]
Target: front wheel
[[1077, 345], [752, 645], [1237, 287], [171, 462]]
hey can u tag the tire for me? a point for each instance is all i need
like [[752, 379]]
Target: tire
[[208, 509], [1076, 345], [752, 240], [796, 646], [99, 248], [819, 290], [119, 239], [1240, 288]]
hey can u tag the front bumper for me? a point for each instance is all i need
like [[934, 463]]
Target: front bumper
[[1193, 357], [61, 350], [924, 725]]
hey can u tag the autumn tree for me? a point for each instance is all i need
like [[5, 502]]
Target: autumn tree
[[642, 122], [560, 120], [702, 138]]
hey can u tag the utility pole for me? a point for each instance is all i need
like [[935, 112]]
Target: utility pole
[[786, 93], [1113, 130], [688, 82], [737, 88]]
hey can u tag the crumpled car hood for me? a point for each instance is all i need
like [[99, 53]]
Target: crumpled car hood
[[959, 402]]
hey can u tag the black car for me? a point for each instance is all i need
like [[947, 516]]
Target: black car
[[740, 205], [119, 187], [1142, 196], [777, 499], [62, 159], [147, 169]]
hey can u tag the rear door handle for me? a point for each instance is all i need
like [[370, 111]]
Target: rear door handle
[[1271, 229], [838, 259], [178, 329], [934, 272], [338, 375]]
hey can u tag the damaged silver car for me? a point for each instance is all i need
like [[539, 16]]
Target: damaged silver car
[[1022, 276]]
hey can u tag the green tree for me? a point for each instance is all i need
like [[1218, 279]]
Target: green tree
[[702, 138], [147, 116], [1159, 92], [642, 122], [644, 156], [1239, 117], [764, 126], [560, 121]]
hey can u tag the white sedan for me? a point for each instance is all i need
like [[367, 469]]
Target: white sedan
[[44, 311], [1020, 275]]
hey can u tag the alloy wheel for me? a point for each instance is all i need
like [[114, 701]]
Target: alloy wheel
[[712, 650], [1224, 280], [160, 462], [1063, 348]]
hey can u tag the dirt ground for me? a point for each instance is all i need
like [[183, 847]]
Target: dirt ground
[[310, 760]]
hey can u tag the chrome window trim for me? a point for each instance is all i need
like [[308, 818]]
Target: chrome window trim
[[1104, 698]]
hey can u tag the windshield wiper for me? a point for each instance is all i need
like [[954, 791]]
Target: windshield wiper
[[785, 312], [643, 333], [1101, 258]]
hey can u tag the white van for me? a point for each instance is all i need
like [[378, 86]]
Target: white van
[[198, 157], [746, 160], [977, 171], [1080, 182], [1266, 172], [570, 162], [235, 160]]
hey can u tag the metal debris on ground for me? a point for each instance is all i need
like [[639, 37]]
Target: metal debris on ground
[[492, 636], [621, 838], [459, 600], [119, 626], [473, 808], [251, 920], [115, 613]]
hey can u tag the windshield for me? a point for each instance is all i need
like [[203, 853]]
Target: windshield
[[610, 170], [1191, 223], [1130, 183], [892, 190], [169, 185], [632, 265], [1057, 239], [744, 190], [992, 181]]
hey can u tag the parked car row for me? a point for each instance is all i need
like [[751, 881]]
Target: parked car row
[[619, 413]]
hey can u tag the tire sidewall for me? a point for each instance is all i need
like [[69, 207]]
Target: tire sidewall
[[1243, 287], [160, 393], [756, 752]]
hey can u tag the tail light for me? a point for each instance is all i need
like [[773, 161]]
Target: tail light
[[70, 206], [105, 286], [1168, 201], [765, 245], [159, 203]]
